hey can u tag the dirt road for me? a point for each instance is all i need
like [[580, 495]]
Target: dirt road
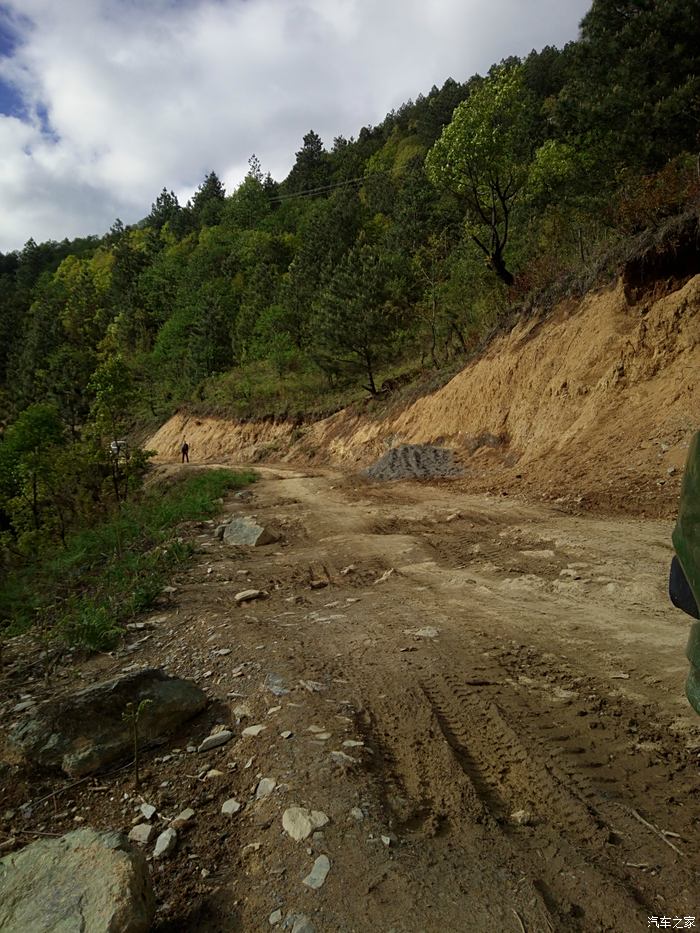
[[516, 681], [485, 698]]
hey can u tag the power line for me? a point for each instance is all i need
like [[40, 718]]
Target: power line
[[322, 188]]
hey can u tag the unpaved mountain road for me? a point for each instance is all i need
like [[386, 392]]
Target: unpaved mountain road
[[485, 697], [516, 659]]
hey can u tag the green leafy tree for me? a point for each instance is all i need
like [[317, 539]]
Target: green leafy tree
[[485, 155]]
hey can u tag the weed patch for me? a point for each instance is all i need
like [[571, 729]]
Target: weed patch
[[86, 592]]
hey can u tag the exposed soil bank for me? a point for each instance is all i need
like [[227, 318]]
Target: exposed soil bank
[[594, 404]]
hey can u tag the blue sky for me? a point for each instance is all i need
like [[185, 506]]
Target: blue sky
[[105, 102]]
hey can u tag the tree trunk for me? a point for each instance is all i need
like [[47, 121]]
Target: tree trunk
[[499, 267]]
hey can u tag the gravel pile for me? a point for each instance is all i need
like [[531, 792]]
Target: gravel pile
[[418, 461]]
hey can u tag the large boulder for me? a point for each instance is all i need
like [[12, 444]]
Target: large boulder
[[246, 531], [86, 731], [96, 882]]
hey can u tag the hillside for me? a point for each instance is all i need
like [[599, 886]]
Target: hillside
[[594, 402]]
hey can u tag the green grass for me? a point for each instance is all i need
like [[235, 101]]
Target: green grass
[[86, 592]]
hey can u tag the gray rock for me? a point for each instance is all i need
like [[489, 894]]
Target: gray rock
[[299, 823], [148, 810], [182, 818], [275, 917], [318, 873], [265, 788], [85, 880], [84, 732], [213, 741], [245, 596], [298, 923], [142, 833], [246, 531], [165, 843], [231, 807]]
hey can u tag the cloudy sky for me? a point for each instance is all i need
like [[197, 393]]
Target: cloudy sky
[[105, 102]]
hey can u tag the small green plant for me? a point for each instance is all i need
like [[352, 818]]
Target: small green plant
[[132, 714]]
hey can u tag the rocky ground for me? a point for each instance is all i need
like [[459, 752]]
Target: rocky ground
[[432, 711]]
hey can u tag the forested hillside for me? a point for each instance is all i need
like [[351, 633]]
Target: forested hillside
[[383, 256]]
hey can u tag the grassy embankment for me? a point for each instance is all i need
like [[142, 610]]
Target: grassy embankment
[[84, 594]]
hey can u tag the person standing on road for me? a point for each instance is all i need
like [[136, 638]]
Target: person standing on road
[[185, 451]]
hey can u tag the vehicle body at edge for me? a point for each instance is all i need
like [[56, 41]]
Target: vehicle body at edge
[[684, 579]]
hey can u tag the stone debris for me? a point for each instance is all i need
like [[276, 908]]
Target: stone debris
[[142, 833], [84, 732], [385, 576], [275, 918], [318, 873], [213, 741], [231, 807], [313, 686], [182, 818], [414, 461], [299, 823], [298, 923], [84, 880], [353, 743], [275, 684], [165, 843], [213, 775], [246, 596], [253, 730], [265, 788], [148, 810], [340, 758], [521, 817], [245, 531], [357, 814], [287, 734], [428, 632], [315, 729]]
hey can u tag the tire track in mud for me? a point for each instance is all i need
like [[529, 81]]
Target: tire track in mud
[[568, 836], [477, 751]]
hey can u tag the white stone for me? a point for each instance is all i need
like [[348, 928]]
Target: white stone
[[147, 810], [165, 843], [274, 918], [357, 814], [247, 595], [213, 741], [213, 775], [253, 730], [230, 807], [183, 817], [299, 823], [352, 743], [521, 817], [265, 788], [141, 833], [286, 734], [318, 873]]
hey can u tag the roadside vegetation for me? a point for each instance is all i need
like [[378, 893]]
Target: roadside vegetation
[[384, 259], [84, 590]]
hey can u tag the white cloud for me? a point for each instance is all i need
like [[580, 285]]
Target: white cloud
[[144, 95]]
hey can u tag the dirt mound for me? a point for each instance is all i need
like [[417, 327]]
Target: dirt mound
[[414, 461]]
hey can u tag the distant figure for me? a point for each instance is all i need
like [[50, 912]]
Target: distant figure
[[185, 451]]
